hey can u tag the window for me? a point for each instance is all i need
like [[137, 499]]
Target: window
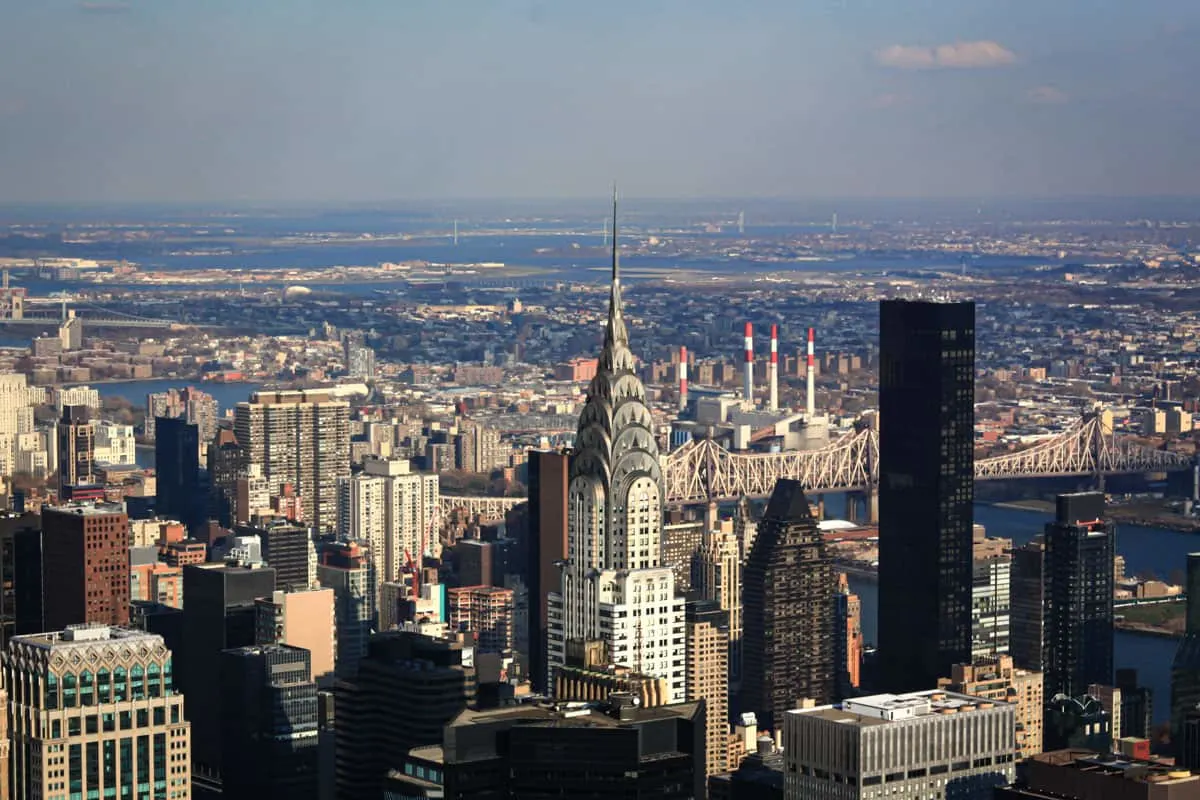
[[154, 681], [87, 688], [137, 688], [51, 701], [69, 690], [103, 686]]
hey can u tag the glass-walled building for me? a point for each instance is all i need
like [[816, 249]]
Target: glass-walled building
[[93, 712]]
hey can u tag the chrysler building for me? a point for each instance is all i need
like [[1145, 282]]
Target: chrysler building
[[614, 588]]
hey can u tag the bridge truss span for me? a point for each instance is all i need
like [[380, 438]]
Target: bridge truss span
[[488, 509], [1087, 447], [702, 463], [703, 469]]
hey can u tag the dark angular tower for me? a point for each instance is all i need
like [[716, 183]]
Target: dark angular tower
[[927, 473], [788, 650], [1078, 576]]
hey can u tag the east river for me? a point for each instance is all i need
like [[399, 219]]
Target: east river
[[1156, 550]]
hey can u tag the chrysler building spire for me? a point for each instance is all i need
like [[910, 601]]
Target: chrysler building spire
[[616, 338]]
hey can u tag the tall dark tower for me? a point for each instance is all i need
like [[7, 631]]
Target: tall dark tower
[[177, 462], [788, 651], [927, 472], [1078, 575], [1185, 674], [546, 548]]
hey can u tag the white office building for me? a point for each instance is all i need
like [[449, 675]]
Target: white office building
[[932, 745], [114, 444]]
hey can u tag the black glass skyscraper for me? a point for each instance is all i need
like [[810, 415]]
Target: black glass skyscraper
[[177, 464], [927, 471], [1078, 576]]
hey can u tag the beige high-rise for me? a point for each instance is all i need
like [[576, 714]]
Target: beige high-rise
[[93, 711], [995, 678], [298, 438], [720, 579], [300, 618], [708, 678]]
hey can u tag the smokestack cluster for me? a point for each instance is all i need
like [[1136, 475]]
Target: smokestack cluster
[[811, 394], [773, 370], [683, 394], [748, 387]]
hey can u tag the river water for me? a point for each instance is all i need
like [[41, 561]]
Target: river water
[[1146, 549], [227, 395]]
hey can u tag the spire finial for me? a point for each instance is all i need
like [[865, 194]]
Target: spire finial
[[614, 334], [616, 265]]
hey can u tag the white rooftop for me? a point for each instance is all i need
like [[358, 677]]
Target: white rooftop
[[897, 707]]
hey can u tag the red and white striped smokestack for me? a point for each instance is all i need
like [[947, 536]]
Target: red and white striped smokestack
[[748, 387], [773, 370], [811, 393], [683, 378]]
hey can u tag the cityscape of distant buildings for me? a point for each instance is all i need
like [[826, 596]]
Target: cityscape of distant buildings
[[300, 600]]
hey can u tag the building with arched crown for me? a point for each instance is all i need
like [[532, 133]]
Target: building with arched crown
[[614, 588]]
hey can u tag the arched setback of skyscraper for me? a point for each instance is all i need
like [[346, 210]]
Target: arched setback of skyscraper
[[614, 588]]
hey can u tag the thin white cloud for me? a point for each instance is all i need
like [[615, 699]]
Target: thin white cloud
[[1047, 95], [959, 55]]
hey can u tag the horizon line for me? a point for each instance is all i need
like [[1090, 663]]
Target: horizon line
[[966, 200]]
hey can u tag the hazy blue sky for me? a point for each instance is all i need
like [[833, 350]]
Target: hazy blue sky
[[229, 100]]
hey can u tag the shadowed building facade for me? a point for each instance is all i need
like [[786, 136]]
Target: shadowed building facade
[[1185, 669], [788, 598], [1079, 596], [926, 490]]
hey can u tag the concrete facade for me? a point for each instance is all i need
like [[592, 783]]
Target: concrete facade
[[929, 745]]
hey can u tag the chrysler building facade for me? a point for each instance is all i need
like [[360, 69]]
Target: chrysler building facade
[[614, 588]]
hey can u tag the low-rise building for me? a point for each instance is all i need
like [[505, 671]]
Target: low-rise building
[[1086, 775]]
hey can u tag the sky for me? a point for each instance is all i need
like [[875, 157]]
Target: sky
[[334, 101]]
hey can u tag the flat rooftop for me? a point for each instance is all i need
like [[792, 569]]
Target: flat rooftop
[[882, 709], [579, 715], [1116, 766], [86, 508], [84, 636]]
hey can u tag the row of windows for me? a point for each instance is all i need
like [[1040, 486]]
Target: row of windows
[[90, 688], [107, 723]]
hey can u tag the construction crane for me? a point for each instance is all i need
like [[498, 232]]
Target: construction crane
[[414, 573], [424, 549]]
